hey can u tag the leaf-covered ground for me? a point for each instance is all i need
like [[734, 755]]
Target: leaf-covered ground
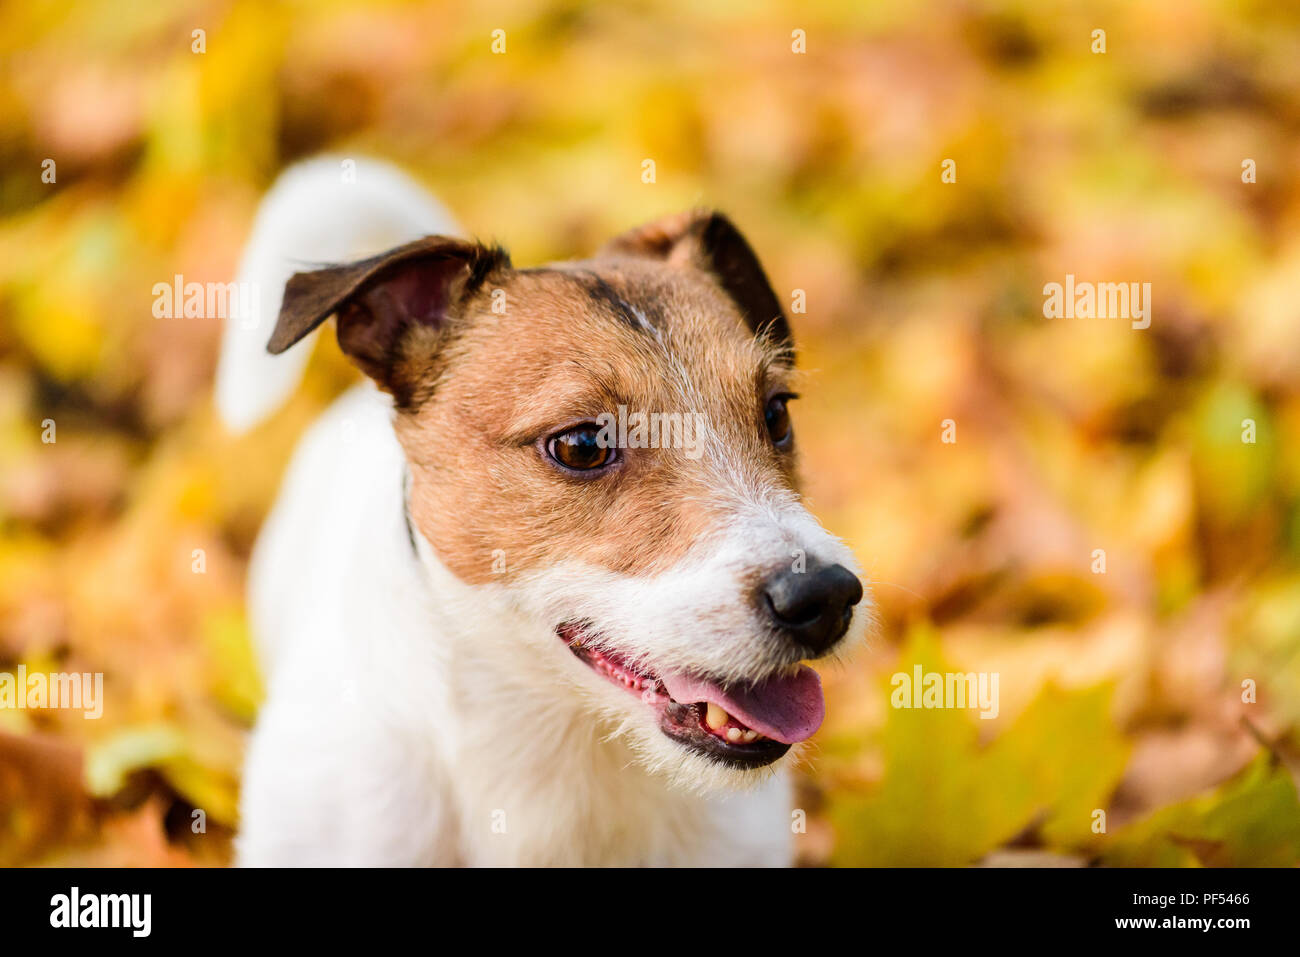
[[1120, 692]]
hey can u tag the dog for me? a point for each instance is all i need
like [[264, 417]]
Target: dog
[[508, 610]]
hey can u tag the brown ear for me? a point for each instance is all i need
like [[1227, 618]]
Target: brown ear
[[381, 302], [709, 241]]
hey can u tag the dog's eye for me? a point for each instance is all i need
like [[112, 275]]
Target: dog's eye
[[580, 449], [777, 417]]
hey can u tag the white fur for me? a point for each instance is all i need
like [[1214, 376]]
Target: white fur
[[414, 719], [327, 210]]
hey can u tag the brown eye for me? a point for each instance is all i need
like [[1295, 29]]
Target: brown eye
[[777, 417], [580, 449]]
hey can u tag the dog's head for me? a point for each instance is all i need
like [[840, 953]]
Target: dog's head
[[607, 445]]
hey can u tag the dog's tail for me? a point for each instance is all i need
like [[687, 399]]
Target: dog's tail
[[326, 210]]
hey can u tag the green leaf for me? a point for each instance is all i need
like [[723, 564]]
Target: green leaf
[[946, 801], [1251, 821], [109, 763]]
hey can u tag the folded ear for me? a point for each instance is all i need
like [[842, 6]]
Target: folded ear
[[390, 306], [709, 241]]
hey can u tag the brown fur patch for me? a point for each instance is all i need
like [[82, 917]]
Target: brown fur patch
[[576, 340], [711, 242]]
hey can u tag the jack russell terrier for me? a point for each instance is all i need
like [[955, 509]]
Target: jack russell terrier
[[496, 627]]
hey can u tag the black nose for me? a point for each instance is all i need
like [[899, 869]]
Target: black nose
[[813, 606]]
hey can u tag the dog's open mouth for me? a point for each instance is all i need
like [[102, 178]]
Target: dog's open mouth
[[744, 726]]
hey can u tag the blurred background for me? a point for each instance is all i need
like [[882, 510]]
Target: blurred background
[[1163, 691]]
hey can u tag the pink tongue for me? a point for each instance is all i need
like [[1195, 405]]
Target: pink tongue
[[786, 709]]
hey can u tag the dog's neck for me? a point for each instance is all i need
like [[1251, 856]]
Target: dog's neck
[[560, 785]]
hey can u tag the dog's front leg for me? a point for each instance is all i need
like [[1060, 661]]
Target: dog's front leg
[[331, 787]]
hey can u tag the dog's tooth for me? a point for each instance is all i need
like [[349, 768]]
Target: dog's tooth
[[715, 718], [750, 736], [733, 734]]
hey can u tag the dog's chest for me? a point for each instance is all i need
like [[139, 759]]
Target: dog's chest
[[593, 805]]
